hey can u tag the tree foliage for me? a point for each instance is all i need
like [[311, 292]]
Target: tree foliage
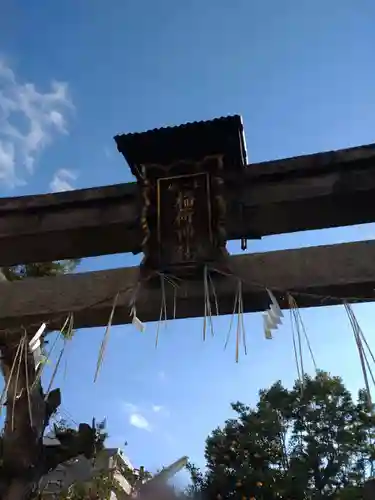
[[39, 269], [311, 442]]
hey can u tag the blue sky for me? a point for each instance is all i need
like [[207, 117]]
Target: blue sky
[[75, 73]]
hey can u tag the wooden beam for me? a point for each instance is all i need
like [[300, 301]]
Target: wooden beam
[[309, 192], [318, 191], [73, 224], [317, 276]]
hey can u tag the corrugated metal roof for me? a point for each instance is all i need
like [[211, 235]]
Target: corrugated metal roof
[[190, 141]]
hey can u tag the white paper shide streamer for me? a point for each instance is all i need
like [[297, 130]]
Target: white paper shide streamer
[[136, 322], [35, 347], [272, 317]]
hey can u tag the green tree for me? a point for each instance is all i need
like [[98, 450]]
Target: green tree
[[310, 442], [23, 457]]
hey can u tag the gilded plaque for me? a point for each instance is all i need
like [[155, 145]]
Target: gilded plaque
[[184, 223]]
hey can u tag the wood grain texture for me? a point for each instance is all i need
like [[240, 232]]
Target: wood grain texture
[[342, 271], [282, 196]]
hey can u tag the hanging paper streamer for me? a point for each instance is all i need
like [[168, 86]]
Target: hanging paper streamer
[[272, 317], [136, 322], [105, 338], [35, 347], [173, 281], [141, 327], [66, 333]]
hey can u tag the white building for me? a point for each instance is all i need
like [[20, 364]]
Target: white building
[[82, 470]]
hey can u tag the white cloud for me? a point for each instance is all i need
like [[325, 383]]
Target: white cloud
[[162, 375], [160, 409], [29, 120], [63, 180], [136, 419], [129, 407], [7, 162]]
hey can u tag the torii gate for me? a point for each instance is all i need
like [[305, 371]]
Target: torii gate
[[309, 192]]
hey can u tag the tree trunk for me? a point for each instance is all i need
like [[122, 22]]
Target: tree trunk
[[369, 489], [24, 425], [18, 490], [25, 459]]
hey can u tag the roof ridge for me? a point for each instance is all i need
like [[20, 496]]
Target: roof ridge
[[186, 125]]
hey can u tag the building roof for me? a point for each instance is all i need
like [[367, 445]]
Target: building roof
[[119, 454], [82, 469], [190, 141]]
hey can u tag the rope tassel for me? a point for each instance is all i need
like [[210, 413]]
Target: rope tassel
[[298, 329], [241, 332], [360, 339], [163, 308], [105, 338], [207, 283]]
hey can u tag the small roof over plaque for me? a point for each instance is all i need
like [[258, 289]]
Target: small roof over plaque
[[191, 142]]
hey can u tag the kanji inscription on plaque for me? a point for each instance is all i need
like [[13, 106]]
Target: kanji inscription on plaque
[[184, 218]]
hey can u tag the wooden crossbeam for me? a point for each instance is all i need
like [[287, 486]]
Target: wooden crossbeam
[[309, 192], [317, 276]]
